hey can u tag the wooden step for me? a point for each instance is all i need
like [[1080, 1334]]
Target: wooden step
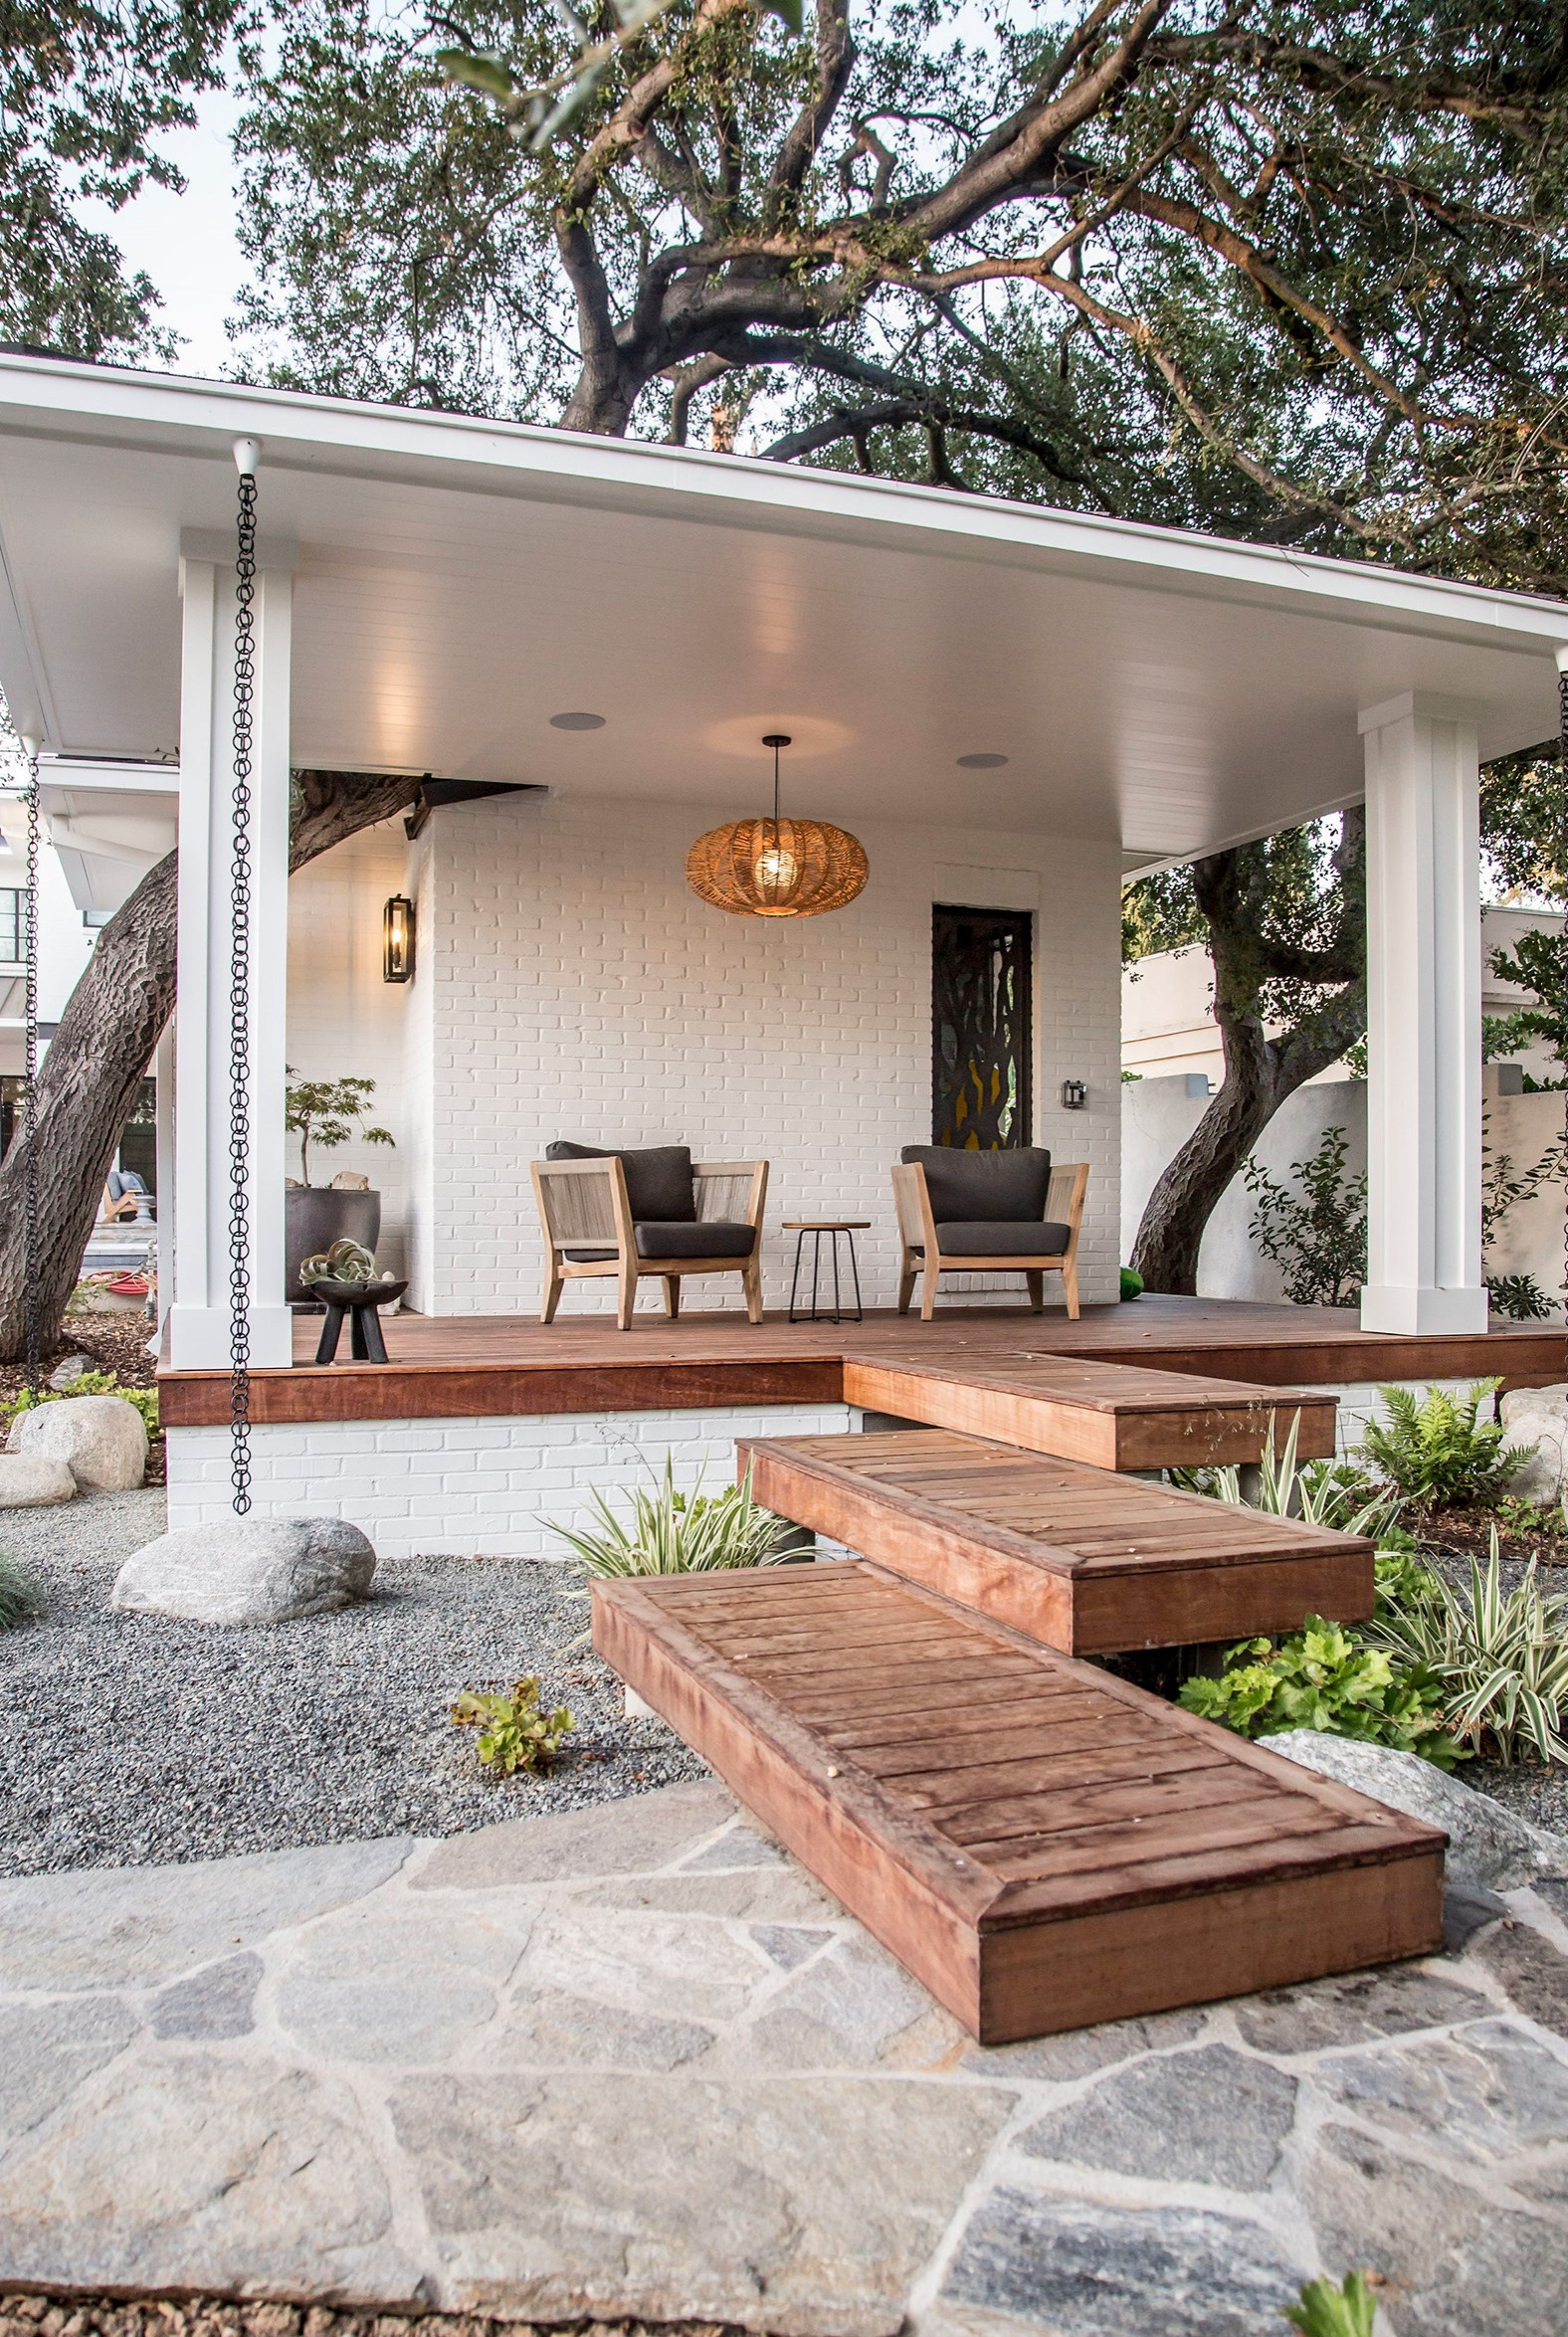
[[1090, 1562], [1110, 1415], [1094, 1854]]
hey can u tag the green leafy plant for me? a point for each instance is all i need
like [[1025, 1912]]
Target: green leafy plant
[[1325, 1677], [1329, 2310], [669, 1532], [1437, 1452], [1131, 1284], [1519, 1298], [1501, 1658], [20, 1596], [1316, 1234], [1333, 1494], [327, 1112], [514, 1730], [92, 1383]]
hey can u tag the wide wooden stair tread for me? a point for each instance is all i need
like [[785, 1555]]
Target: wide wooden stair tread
[[1087, 1561], [1115, 1416], [1042, 1844]]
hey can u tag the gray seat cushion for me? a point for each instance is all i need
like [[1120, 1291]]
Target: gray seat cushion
[[715, 1240], [974, 1188], [658, 1181], [1029, 1240]]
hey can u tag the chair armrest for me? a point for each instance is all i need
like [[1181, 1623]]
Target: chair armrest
[[917, 1226]]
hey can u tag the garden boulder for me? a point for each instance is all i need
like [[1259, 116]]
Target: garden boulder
[[100, 1439], [31, 1481], [249, 1570], [1538, 1417], [1489, 1848]]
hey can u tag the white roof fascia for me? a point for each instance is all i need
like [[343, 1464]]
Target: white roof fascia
[[166, 414]]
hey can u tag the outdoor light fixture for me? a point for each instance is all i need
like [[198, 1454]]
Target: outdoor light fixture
[[1075, 1094], [397, 940], [777, 867]]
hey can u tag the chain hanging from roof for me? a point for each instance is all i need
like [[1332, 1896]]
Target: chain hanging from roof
[[247, 454], [777, 867], [31, 1317]]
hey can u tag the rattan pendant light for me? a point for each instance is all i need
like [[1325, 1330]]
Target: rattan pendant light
[[777, 867]]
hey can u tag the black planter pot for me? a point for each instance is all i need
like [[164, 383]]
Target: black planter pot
[[317, 1216]]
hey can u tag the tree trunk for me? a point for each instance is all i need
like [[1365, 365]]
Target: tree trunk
[[113, 1022], [1259, 1073]]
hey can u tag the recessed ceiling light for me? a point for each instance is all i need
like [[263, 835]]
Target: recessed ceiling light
[[981, 762], [577, 721]]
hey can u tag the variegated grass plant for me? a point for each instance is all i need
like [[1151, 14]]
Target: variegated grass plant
[[669, 1532], [1503, 1656]]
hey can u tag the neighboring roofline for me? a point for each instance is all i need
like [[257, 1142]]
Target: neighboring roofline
[[162, 413]]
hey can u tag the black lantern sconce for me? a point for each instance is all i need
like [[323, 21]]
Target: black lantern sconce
[[397, 940], [1075, 1094]]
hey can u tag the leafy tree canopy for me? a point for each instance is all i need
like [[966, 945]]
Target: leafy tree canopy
[[85, 90]]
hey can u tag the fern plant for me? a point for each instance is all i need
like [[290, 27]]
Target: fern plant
[[1502, 1658], [1437, 1452], [669, 1532]]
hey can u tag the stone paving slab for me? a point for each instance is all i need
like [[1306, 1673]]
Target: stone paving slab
[[633, 2064]]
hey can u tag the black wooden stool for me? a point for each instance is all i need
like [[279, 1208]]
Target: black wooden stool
[[360, 1302]]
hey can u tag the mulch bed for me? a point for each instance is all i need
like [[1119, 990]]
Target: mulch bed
[[92, 2315], [1467, 1533]]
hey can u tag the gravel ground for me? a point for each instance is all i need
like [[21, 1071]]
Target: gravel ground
[[88, 2316], [128, 1739]]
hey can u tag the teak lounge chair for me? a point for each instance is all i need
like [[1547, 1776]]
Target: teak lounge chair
[[984, 1212], [658, 1211]]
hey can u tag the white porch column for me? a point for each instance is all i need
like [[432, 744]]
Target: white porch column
[[1423, 1018], [199, 1316]]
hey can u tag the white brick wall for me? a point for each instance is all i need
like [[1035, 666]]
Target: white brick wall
[[474, 1487], [575, 987]]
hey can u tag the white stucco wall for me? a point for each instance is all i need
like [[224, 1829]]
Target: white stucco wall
[[1158, 1115], [575, 987]]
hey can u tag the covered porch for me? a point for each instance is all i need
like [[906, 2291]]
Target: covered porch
[[587, 641]]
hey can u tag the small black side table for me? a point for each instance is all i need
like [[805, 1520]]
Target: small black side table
[[849, 1227], [359, 1302]]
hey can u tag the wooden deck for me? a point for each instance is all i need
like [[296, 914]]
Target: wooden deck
[[1116, 1416], [1042, 1845], [489, 1366], [1087, 1562]]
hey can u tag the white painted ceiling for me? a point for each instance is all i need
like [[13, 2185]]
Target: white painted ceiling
[[458, 583]]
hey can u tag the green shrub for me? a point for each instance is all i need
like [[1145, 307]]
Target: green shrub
[[92, 1383], [1333, 1494], [20, 1596], [514, 1731], [1316, 1234], [1437, 1451], [1327, 2310], [1502, 1659], [679, 1533], [1519, 1298], [1324, 1677], [1131, 1284]]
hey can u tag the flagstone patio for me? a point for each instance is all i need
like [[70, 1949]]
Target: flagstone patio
[[631, 2061]]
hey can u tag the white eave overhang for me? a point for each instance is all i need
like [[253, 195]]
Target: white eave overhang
[[458, 581]]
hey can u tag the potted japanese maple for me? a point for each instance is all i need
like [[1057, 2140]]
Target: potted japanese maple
[[325, 1113]]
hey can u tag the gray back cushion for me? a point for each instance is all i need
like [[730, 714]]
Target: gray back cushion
[[658, 1182], [983, 1188]]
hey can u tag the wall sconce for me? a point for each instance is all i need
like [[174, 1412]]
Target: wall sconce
[[397, 940], [1075, 1094]]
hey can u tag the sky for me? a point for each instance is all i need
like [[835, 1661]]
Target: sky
[[187, 243]]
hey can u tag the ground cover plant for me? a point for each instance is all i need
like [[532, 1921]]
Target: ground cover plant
[[514, 1729], [671, 1532], [21, 1598], [1328, 1678], [1333, 2309], [92, 1383]]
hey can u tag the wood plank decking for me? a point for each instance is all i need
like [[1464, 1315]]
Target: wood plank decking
[[1042, 1845], [1112, 1415], [494, 1366], [1085, 1561]]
